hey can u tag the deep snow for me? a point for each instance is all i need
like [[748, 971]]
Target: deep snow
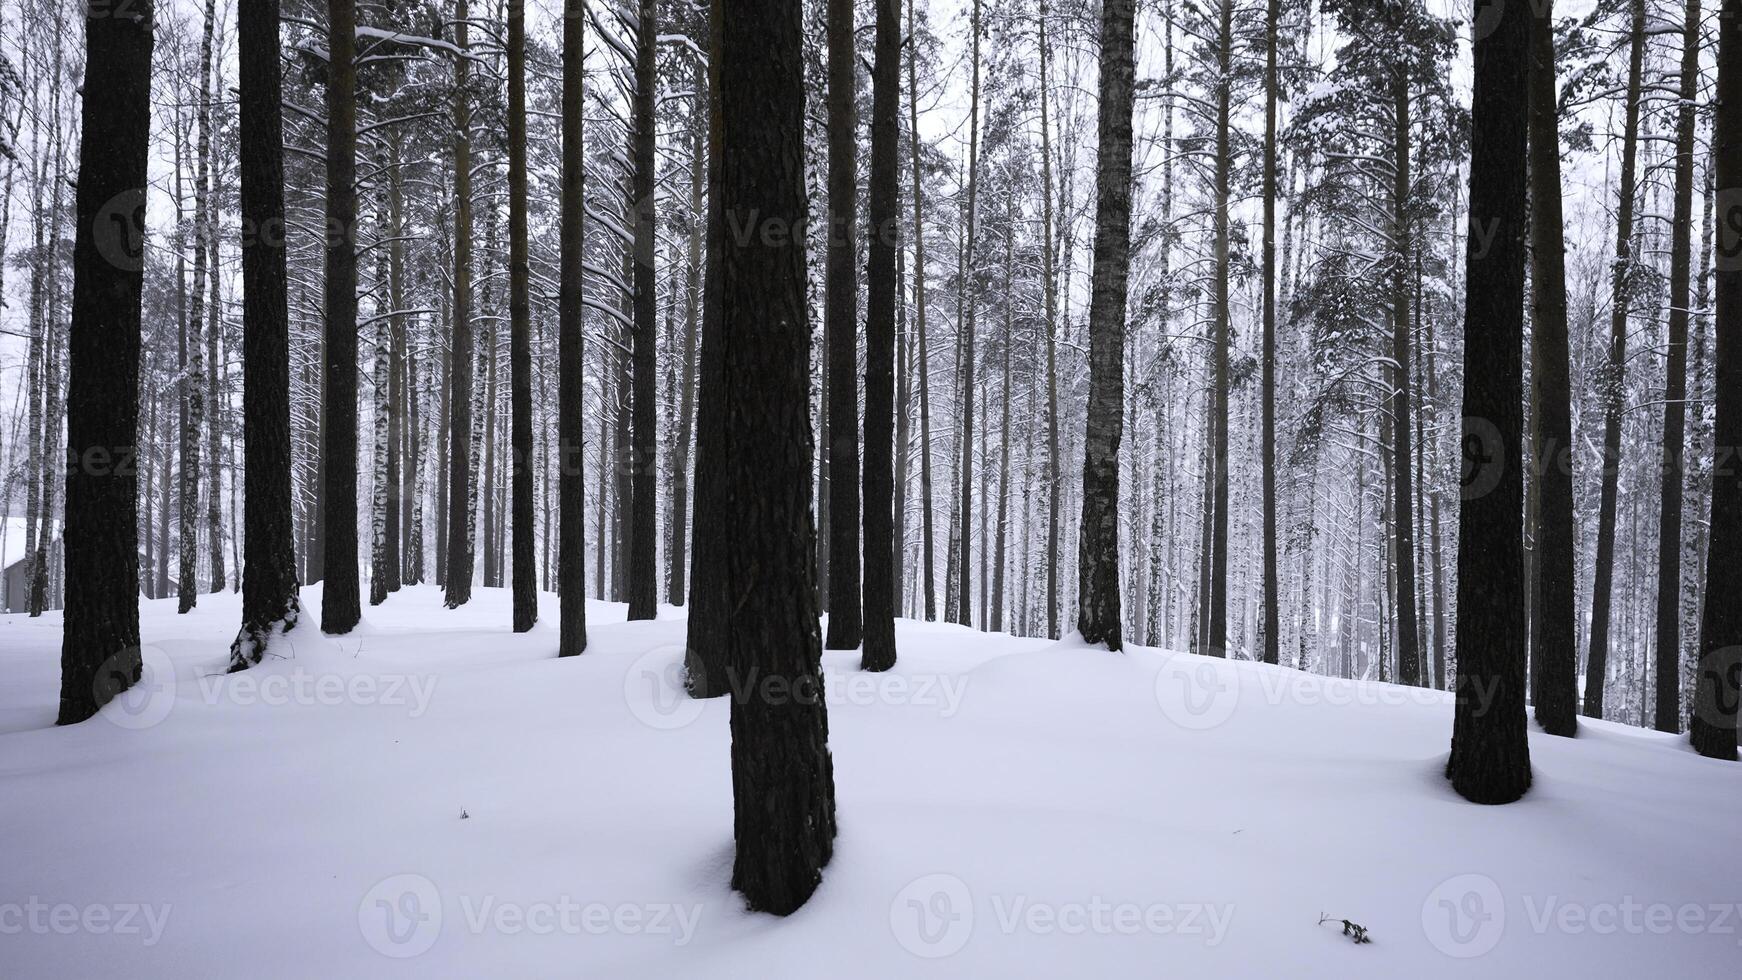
[[1008, 808]]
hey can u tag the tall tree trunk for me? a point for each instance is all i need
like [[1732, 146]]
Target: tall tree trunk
[[1611, 376], [571, 433], [846, 626], [1049, 290], [1406, 626], [1720, 672], [100, 654], [525, 559], [193, 365], [1217, 612], [710, 598], [1553, 637], [270, 601], [995, 620], [1490, 758], [1669, 526], [340, 602], [643, 583], [1267, 355], [216, 399], [883, 291], [1098, 541], [400, 499], [970, 299], [782, 774], [457, 584], [927, 562]]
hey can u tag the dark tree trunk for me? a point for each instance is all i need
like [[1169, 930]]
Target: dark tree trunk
[[1216, 612], [1407, 628], [1669, 527], [846, 628], [396, 521], [1098, 540], [1267, 439], [458, 581], [100, 654], [643, 581], [709, 596], [525, 559], [1049, 289], [1720, 670], [782, 774], [1490, 758], [964, 556], [571, 476], [883, 293], [269, 590], [1610, 378], [1553, 636], [341, 602]]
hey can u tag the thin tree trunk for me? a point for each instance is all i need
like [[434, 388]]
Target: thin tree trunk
[[883, 293], [846, 625], [193, 368], [643, 581], [1611, 376], [341, 606], [525, 559], [1217, 611], [1669, 527], [680, 450], [964, 540], [1406, 626], [927, 561], [1720, 671], [1267, 356], [457, 584], [1098, 543], [571, 477]]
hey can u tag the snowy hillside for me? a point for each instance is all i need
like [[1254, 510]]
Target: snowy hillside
[[434, 796]]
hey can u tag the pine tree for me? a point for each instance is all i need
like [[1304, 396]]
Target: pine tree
[[782, 773], [1719, 682], [643, 582], [846, 629], [525, 569], [459, 564], [340, 600], [1490, 758], [571, 477], [883, 294], [1553, 638], [1098, 547], [100, 654]]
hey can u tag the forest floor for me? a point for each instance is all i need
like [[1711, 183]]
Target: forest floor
[[435, 796]]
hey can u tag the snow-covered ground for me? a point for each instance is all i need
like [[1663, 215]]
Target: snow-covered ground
[[435, 796]]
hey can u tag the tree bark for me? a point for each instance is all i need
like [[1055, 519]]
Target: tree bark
[[1553, 637], [846, 622], [927, 561], [1669, 527], [341, 605], [525, 559], [882, 298], [1098, 540], [1490, 758], [1267, 439], [571, 476], [643, 575], [1217, 611], [1720, 671], [100, 655], [782, 774], [457, 583]]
